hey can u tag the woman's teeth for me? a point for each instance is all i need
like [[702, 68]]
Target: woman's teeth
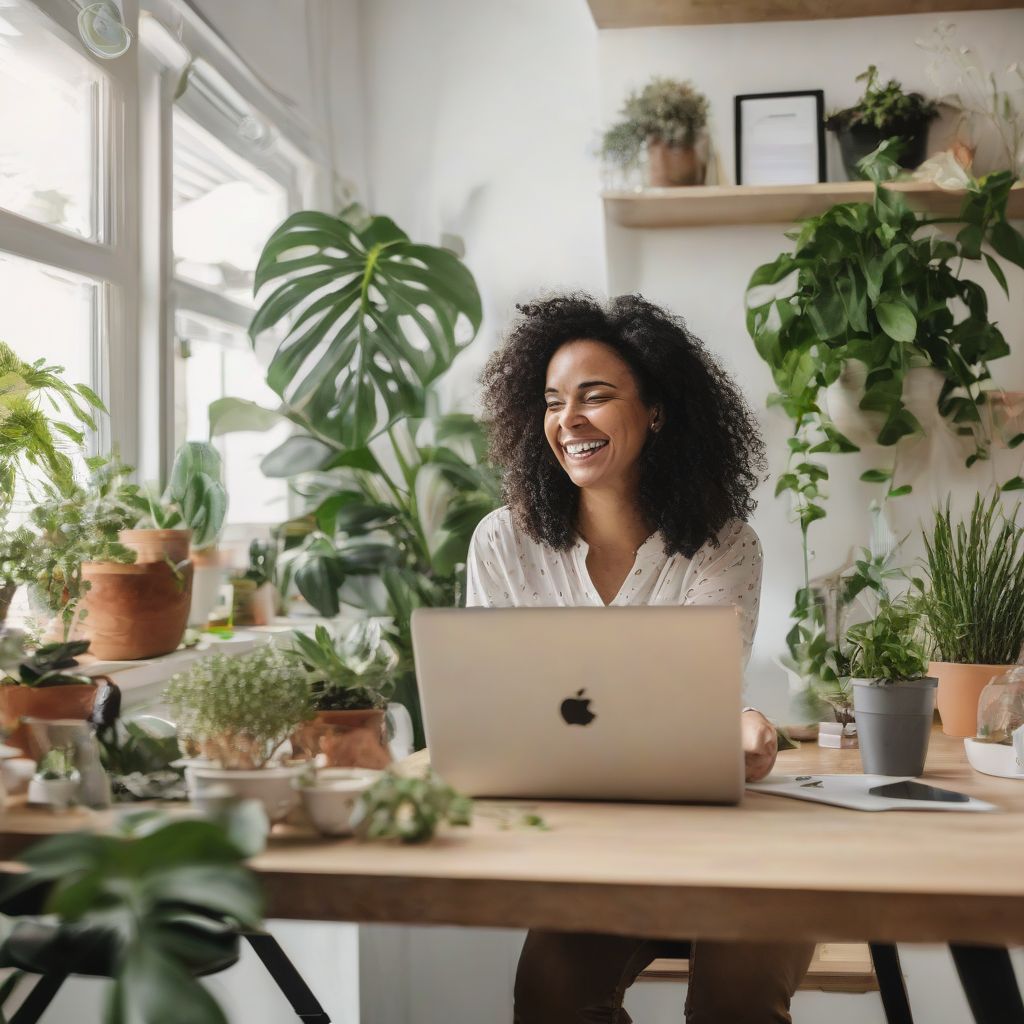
[[584, 449]]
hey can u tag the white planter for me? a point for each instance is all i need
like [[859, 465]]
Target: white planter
[[921, 387], [273, 786], [206, 582], [58, 793], [994, 759], [331, 801]]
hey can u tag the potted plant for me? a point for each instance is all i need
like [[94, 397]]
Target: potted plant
[[182, 523], [255, 595], [883, 112], [973, 600], [351, 680], [893, 698], [236, 712], [56, 780], [15, 549], [667, 118], [44, 685], [870, 285]]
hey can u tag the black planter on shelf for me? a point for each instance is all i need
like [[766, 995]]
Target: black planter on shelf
[[856, 141]]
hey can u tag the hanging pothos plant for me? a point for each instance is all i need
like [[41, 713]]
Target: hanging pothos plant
[[393, 488], [880, 284]]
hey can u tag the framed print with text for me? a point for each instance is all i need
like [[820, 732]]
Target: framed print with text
[[780, 138]]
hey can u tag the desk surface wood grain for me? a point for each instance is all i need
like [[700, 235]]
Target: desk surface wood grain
[[770, 868]]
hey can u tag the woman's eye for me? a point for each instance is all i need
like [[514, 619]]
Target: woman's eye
[[596, 398], [554, 405]]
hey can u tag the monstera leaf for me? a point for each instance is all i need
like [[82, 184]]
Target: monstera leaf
[[372, 318]]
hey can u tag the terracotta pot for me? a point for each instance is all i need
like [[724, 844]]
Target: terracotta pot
[[253, 606], [348, 739], [669, 166], [157, 545], [960, 689], [49, 702], [135, 611]]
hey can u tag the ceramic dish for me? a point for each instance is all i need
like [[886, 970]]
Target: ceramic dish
[[330, 800], [994, 759]]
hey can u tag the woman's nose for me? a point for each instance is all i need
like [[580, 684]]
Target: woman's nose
[[572, 414]]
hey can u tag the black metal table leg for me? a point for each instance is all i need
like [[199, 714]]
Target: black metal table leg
[[37, 1001], [287, 978], [989, 983], [891, 986]]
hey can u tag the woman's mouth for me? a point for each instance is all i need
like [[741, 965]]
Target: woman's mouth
[[580, 451]]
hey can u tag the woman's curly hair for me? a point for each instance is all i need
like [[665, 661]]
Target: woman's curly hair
[[697, 472]]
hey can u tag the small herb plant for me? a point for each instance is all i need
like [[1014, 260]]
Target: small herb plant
[[667, 110], [262, 563], [194, 499], [410, 809], [350, 674], [79, 525], [888, 647], [58, 763], [239, 710], [973, 597], [886, 108]]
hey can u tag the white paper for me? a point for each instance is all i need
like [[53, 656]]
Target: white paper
[[851, 791]]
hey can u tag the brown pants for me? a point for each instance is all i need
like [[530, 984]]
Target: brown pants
[[581, 979]]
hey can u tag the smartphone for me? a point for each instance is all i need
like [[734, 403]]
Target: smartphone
[[910, 790]]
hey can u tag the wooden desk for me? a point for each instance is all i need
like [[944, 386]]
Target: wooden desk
[[770, 868]]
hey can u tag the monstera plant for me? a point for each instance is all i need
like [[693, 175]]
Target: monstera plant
[[393, 488]]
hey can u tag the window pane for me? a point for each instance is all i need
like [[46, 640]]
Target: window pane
[[49, 103], [216, 361], [224, 211], [49, 314]]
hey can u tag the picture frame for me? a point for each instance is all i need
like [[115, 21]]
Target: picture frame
[[780, 138]]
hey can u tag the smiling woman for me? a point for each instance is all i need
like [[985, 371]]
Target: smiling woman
[[629, 462]]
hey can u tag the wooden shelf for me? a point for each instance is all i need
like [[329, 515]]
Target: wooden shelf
[[701, 206], [645, 13]]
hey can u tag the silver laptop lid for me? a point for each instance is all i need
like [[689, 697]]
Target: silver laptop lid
[[636, 703]]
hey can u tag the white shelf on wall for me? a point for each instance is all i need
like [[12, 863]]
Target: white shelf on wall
[[646, 13], [701, 206]]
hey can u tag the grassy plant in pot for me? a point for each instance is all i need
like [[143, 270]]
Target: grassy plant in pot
[[893, 698], [44, 685], [237, 712], [352, 680], [667, 118], [883, 112], [974, 605]]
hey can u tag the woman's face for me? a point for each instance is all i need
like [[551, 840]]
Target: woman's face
[[595, 420]]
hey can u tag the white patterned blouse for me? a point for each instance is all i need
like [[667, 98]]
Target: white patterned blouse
[[507, 569]]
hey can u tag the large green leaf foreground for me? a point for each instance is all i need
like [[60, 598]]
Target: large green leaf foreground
[[372, 318]]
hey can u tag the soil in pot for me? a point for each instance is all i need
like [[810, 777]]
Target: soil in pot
[[157, 545], [894, 724], [347, 739], [959, 690], [669, 166], [47, 702], [135, 611]]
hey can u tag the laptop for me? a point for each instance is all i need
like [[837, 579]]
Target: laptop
[[633, 703]]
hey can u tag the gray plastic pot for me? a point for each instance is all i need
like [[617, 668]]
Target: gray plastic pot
[[894, 724]]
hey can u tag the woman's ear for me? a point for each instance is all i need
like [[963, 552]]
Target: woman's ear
[[656, 419]]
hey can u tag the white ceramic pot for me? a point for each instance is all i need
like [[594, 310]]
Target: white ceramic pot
[[330, 801], [273, 786], [998, 759], [58, 793], [206, 582], [16, 773]]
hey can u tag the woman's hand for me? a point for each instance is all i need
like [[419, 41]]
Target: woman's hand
[[760, 745]]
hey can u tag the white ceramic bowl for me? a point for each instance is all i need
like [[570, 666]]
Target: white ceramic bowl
[[331, 800], [273, 787], [994, 759]]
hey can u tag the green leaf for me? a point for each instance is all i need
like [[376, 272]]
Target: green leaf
[[153, 988], [229, 415], [970, 239], [1015, 483], [298, 454], [1016, 440], [876, 476], [1008, 242], [997, 273], [896, 319], [899, 492]]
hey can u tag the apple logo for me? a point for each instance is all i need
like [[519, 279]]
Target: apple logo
[[576, 710]]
